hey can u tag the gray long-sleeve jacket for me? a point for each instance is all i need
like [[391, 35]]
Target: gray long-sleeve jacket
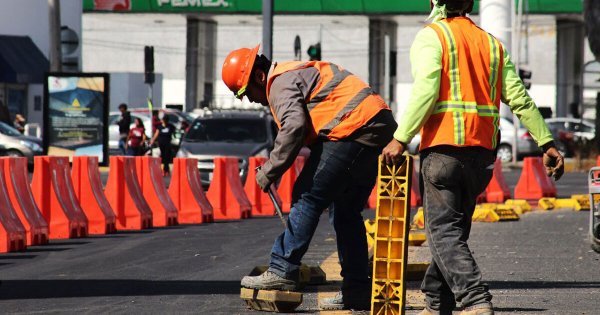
[[287, 98]]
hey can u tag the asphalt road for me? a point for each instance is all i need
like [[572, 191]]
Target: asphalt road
[[541, 264]]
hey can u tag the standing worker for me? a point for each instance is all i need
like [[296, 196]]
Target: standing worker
[[124, 125], [461, 73], [163, 134], [346, 125]]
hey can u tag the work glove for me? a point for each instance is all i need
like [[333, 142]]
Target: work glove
[[261, 179], [553, 161], [392, 153]]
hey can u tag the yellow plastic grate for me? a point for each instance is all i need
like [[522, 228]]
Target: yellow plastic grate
[[391, 238]]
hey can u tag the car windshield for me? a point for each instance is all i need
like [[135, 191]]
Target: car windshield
[[8, 130], [228, 130]]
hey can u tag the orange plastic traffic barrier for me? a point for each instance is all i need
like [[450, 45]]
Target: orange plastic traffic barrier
[[187, 194], [150, 178], [54, 194], [226, 193], [88, 188], [534, 183], [415, 191], [286, 185], [372, 201], [261, 203], [16, 179], [481, 198], [497, 190], [125, 196], [13, 236]]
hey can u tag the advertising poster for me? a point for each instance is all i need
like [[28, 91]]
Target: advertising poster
[[76, 114]]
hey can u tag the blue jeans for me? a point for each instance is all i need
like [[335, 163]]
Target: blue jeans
[[122, 146], [451, 179], [338, 176]]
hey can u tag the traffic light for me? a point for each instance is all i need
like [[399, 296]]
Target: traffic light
[[314, 51], [525, 77], [149, 64]]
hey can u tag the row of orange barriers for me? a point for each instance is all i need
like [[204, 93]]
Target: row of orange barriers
[[69, 202], [533, 185]]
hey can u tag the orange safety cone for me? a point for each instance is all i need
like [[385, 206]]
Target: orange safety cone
[[534, 184], [149, 174], [226, 193], [261, 203], [125, 196], [17, 185], [286, 185], [187, 194], [497, 190], [13, 236], [88, 189], [54, 194]]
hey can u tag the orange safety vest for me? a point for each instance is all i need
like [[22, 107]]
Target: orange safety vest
[[340, 103], [467, 109]]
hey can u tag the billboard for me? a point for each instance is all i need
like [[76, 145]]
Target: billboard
[[76, 114]]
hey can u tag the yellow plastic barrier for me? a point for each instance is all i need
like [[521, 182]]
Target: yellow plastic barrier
[[520, 206], [547, 203], [391, 238], [584, 202], [491, 212], [419, 220]]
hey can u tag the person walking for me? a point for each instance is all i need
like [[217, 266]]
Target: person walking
[[163, 135], [136, 139], [346, 125], [124, 125], [461, 74], [19, 123]]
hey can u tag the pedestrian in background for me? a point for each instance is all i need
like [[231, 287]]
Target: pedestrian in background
[[461, 74], [163, 135], [155, 120], [346, 125], [124, 124], [19, 123], [136, 139]]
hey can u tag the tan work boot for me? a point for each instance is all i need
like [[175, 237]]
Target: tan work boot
[[481, 309], [269, 281]]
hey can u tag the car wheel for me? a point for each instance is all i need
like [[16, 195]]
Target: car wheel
[[14, 153], [505, 153]]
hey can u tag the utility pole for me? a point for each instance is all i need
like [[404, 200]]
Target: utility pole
[[267, 15], [55, 54]]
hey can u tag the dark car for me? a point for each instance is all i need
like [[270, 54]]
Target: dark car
[[241, 134]]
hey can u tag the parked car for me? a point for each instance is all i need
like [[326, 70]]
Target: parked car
[[525, 144], [581, 129], [13, 143], [228, 133]]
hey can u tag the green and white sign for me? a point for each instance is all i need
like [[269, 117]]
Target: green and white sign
[[327, 7]]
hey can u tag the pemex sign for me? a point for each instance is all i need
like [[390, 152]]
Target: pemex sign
[[326, 7]]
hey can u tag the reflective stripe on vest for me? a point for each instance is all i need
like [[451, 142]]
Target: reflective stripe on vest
[[339, 104], [454, 103]]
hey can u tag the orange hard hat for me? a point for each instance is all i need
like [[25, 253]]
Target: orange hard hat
[[236, 69]]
